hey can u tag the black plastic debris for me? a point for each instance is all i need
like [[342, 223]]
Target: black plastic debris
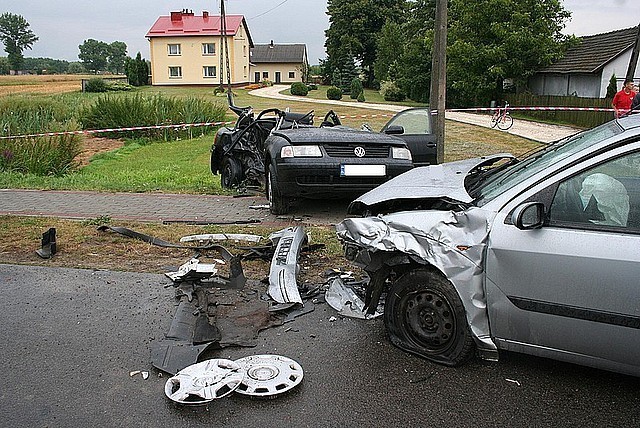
[[48, 244]]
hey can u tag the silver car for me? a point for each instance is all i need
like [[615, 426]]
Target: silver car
[[539, 255]]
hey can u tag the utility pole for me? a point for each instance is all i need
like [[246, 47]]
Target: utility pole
[[634, 57], [437, 95]]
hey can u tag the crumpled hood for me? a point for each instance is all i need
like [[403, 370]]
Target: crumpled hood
[[444, 181]]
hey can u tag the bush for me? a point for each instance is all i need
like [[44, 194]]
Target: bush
[[266, 82], [96, 85], [137, 110], [356, 88], [334, 93], [391, 92], [299, 88]]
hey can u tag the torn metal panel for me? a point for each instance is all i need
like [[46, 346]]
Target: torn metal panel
[[283, 287], [209, 237], [344, 300], [453, 242]]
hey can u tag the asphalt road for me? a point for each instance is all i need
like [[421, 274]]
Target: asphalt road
[[71, 337]]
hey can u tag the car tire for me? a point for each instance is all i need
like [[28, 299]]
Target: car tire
[[230, 173], [278, 204], [424, 315]]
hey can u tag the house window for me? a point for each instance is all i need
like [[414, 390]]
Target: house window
[[292, 75], [208, 49], [245, 71], [175, 72], [209, 71], [174, 49], [244, 50], [265, 74]]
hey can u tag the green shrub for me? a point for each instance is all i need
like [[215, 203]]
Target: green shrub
[[137, 110], [299, 88], [391, 92], [96, 84], [361, 97], [118, 86], [334, 93], [40, 155], [266, 82], [356, 88]]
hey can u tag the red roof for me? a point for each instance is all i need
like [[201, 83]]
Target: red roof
[[187, 24]]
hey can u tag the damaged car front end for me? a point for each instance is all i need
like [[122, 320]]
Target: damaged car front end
[[534, 255], [431, 235]]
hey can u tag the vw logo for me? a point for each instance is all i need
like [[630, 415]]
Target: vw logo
[[359, 151]]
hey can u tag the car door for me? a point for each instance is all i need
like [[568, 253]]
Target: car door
[[571, 289], [414, 127]]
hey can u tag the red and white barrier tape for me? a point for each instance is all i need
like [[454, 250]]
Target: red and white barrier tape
[[535, 108], [132, 128], [364, 116]]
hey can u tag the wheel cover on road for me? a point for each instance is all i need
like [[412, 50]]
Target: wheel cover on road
[[428, 320]]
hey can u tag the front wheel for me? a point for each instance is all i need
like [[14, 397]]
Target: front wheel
[[278, 204], [424, 315], [505, 122]]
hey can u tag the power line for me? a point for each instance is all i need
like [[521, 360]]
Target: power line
[[273, 8]]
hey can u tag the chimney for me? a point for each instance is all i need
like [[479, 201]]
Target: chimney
[[176, 16], [271, 45], [205, 14]]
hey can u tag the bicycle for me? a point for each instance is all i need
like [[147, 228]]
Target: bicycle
[[502, 118]]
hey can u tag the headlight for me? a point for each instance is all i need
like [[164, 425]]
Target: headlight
[[300, 151], [400, 153]]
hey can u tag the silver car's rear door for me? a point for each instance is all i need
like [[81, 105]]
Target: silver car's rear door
[[571, 290]]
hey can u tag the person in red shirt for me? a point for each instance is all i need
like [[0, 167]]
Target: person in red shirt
[[623, 99]]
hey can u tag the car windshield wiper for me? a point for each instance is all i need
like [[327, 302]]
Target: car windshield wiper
[[484, 174]]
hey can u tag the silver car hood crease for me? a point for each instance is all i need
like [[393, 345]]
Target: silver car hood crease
[[437, 239], [434, 181]]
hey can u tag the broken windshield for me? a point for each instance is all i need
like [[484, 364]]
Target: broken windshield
[[540, 160]]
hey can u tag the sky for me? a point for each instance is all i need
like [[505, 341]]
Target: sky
[[64, 25]]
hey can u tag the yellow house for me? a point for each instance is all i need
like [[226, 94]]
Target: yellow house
[[279, 63], [185, 49]]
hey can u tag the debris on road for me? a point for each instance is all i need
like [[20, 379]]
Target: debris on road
[[344, 299], [48, 244]]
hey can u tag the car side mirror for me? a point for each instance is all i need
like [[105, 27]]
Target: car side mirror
[[394, 130], [529, 215]]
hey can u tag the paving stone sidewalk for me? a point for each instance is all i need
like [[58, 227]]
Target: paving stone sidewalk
[[163, 207]]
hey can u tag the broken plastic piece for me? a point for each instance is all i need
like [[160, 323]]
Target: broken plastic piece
[[48, 244], [221, 237], [204, 382], [192, 270], [283, 287], [268, 375], [344, 300]]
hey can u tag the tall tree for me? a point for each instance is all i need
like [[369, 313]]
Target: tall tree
[[353, 31], [16, 36], [137, 70], [491, 40], [404, 50], [117, 56], [94, 55]]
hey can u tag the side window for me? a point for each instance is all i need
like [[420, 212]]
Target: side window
[[413, 121], [607, 195]]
